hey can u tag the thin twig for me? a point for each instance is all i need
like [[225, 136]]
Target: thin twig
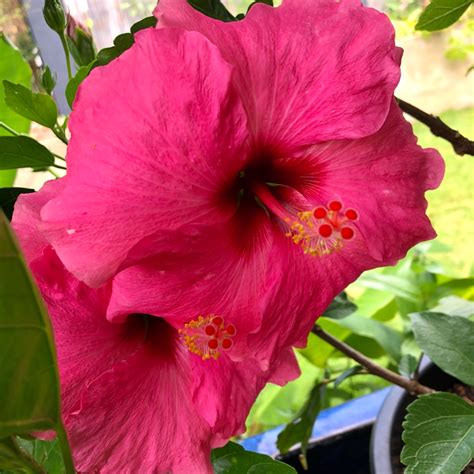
[[412, 386], [461, 144]]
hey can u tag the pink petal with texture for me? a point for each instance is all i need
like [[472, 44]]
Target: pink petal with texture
[[156, 134], [307, 71]]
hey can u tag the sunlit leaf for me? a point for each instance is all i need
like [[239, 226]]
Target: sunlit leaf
[[234, 459], [440, 14], [448, 341], [438, 435]]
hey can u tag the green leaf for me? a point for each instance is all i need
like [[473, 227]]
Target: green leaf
[[448, 341], [440, 14], [15, 459], [74, 83], [389, 339], [393, 284], [148, 22], [233, 459], [340, 307], [357, 369], [23, 152], [14, 68], [29, 380], [454, 306], [29, 388], [121, 43], [438, 435], [35, 106], [45, 453], [408, 364], [212, 8], [300, 429], [8, 197]]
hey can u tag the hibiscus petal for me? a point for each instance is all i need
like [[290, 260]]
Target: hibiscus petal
[[26, 218], [221, 270], [384, 177], [134, 399], [307, 71], [150, 133]]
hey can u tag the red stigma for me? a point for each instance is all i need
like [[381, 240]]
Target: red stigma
[[335, 206], [213, 344], [347, 233], [320, 213], [227, 343], [217, 321], [325, 230], [231, 329], [351, 214], [210, 330]]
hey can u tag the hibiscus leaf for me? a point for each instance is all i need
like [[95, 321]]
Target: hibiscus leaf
[[16, 69], [148, 22], [340, 307], [234, 459], [407, 365], [357, 369], [389, 339], [8, 197], [448, 341], [29, 380], [213, 8], [15, 459], [121, 43], [35, 106], [300, 429], [438, 435], [440, 14], [23, 152], [73, 84]]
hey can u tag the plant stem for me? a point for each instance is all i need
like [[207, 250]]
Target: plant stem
[[461, 144], [9, 129], [65, 450], [60, 134], [59, 166], [59, 157], [66, 52], [411, 386], [56, 175]]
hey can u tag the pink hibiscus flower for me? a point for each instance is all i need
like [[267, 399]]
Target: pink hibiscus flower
[[134, 398], [249, 170]]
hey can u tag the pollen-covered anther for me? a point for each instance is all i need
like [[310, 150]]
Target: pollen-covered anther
[[323, 230], [207, 336]]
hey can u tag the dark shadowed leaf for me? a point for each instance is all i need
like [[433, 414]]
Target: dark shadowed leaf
[[15, 459], [23, 152], [438, 435], [448, 341], [440, 14], [300, 429], [35, 106], [148, 22], [8, 197], [233, 459], [213, 8], [357, 369], [340, 307], [29, 388], [407, 365]]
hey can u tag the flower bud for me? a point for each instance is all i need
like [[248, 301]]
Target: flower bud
[[48, 80], [54, 15], [80, 42]]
